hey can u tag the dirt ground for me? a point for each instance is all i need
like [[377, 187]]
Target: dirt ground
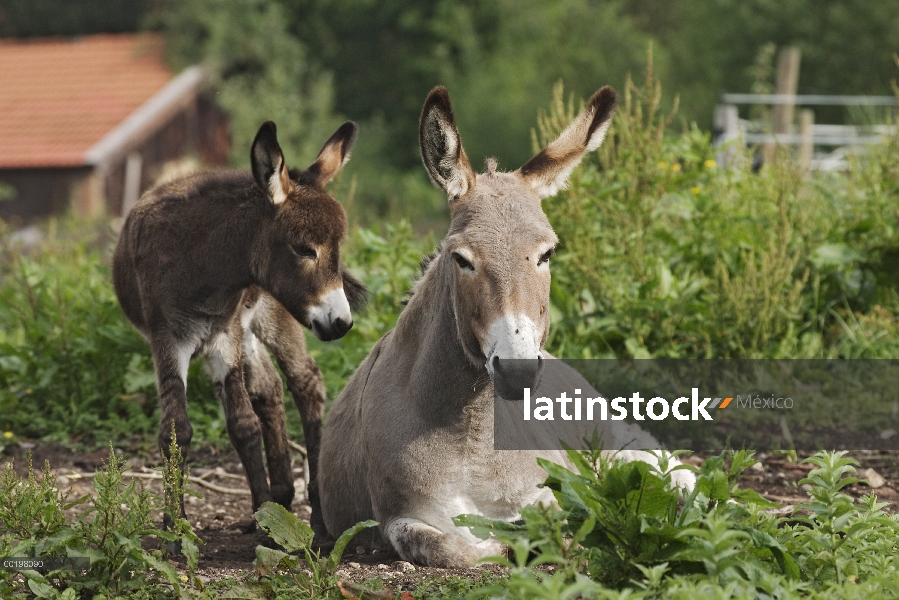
[[223, 519]]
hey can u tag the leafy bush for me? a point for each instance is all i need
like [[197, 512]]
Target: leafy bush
[[665, 253], [71, 365], [620, 527], [33, 523]]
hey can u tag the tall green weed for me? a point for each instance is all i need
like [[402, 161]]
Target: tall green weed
[[34, 522]]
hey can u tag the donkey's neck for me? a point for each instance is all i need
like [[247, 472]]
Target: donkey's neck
[[426, 338], [236, 248], [221, 256]]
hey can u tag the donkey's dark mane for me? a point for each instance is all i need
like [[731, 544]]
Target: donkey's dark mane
[[423, 264]]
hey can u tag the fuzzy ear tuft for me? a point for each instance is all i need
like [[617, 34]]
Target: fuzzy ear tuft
[[441, 146], [334, 154], [268, 166], [548, 172]]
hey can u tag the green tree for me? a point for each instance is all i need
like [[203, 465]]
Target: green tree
[[260, 72], [28, 18], [847, 46]]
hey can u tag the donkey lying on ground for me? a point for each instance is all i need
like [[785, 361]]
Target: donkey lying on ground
[[409, 441], [216, 263]]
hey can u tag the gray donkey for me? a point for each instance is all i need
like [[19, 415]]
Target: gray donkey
[[409, 441], [215, 263]]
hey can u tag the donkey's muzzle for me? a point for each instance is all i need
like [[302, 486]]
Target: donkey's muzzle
[[330, 319], [512, 375], [336, 329]]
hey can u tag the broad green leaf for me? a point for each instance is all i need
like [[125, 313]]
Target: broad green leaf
[[344, 539], [283, 527], [42, 590], [482, 527], [268, 559], [191, 552], [166, 569]]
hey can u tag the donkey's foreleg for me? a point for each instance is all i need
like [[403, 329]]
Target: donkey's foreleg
[[286, 339], [304, 380], [171, 360], [224, 363], [418, 542], [267, 397]]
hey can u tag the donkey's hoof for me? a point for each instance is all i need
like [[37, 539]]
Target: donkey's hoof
[[246, 526]]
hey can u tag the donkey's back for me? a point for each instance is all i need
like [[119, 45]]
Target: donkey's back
[[167, 237]]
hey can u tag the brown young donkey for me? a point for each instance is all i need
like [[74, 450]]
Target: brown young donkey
[[213, 264], [409, 441]]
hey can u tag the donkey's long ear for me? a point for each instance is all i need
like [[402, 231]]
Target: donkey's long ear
[[334, 154], [441, 146], [548, 172], [268, 165]]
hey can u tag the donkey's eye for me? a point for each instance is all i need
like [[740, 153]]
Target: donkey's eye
[[463, 264], [544, 258], [303, 251]]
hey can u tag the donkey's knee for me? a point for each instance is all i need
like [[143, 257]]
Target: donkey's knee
[[418, 542]]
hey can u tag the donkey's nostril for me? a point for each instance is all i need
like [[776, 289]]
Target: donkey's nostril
[[511, 375], [341, 326]]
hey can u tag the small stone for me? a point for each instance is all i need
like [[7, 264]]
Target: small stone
[[383, 567], [360, 550], [887, 434], [403, 566], [759, 467], [875, 479], [62, 481], [340, 573], [354, 565], [781, 475]]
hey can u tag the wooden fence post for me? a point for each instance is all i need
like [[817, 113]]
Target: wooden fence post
[[786, 85], [806, 139], [727, 122]]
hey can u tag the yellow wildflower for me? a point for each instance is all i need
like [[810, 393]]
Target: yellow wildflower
[[694, 190], [710, 164], [7, 434], [675, 168], [662, 165]]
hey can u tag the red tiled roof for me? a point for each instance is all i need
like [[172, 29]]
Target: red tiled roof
[[60, 97]]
